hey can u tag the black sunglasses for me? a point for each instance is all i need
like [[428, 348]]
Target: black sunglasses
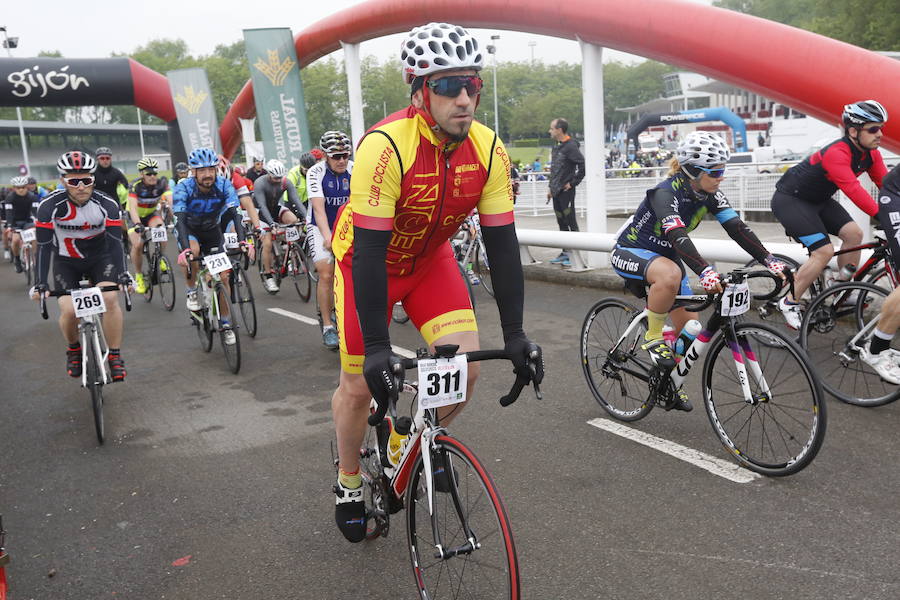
[[150, 173], [76, 181], [873, 129], [452, 85], [343, 156]]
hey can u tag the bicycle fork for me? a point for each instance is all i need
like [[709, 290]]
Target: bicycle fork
[[89, 328]]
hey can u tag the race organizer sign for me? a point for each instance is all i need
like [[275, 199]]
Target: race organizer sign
[[194, 108], [278, 93]]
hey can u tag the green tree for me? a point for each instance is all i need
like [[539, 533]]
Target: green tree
[[325, 93], [382, 89]]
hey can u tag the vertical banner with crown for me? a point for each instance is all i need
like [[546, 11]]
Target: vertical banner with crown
[[195, 109], [278, 93]]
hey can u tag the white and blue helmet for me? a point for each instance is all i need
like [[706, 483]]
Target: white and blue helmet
[[862, 112]]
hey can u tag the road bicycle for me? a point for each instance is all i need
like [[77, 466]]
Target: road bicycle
[[26, 253], [4, 560], [89, 306], [471, 256], [761, 396], [215, 303], [458, 532], [836, 326], [242, 295], [157, 268], [289, 259]]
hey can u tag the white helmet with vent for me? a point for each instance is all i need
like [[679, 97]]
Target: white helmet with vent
[[438, 47], [702, 149]]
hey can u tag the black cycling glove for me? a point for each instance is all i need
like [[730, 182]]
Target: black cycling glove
[[378, 369], [519, 349]]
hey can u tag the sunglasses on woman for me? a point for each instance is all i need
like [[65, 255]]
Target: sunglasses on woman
[[452, 85], [714, 173]]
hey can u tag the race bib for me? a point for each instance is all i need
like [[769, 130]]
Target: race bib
[[88, 302], [291, 234], [28, 235], [442, 381], [736, 300], [159, 234], [231, 240], [216, 263]]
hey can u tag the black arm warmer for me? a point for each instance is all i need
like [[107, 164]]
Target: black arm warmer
[[370, 286], [686, 250], [746, 239], [235, 216], [115, 247], [502, 247], [181, 230], [44, 237]]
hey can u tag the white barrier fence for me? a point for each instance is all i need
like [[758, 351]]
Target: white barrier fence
[[748, 192]]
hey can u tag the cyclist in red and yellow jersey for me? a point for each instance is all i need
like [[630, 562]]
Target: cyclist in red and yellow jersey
[[417, 174]]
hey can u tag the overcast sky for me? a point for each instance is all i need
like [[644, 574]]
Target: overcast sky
[[96, 29]]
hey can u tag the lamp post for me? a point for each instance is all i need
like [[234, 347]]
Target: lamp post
[[531, 45], [10, 43], [492, 50]]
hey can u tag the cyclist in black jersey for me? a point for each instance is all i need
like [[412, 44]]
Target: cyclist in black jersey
[[803, 201], [653, 246], [145, 198], [108, 179], [267, 192], [17, 211], [79, 230]]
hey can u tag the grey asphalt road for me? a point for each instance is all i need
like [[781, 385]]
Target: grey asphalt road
[[213, 485]]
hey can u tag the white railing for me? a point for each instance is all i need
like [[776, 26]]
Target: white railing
[[747, 192]]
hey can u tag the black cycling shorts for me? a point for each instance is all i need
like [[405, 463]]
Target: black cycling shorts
[[809, 222], [631, 264], [67, 272], [207, 238], [889, 217]]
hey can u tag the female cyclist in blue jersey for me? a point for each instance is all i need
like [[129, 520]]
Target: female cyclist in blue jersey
[[653, 246]]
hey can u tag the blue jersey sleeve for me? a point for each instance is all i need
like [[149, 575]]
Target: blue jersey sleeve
[[180, 196]]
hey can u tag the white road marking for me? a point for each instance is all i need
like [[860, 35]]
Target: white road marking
[[716, 466], [303, 319]]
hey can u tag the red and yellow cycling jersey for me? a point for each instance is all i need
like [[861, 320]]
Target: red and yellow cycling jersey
[[405, 180]]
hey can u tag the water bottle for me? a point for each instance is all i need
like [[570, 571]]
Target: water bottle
[[846, 272], [687, 335]]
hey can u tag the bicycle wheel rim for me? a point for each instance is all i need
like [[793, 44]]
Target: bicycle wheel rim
[[204, 331], [616, 376], [96, 389], [492, 570], [300, 274], [246, 303], [232, 351], [166, 280], [828, 326], [781, 432]]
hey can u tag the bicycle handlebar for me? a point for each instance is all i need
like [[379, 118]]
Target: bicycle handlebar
[[404, 364], [713, 297], [103, 288]]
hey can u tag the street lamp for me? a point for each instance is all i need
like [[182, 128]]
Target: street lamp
[[531, 45], [10, 43], [492, 50]]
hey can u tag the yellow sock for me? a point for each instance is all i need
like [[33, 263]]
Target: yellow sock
[[655, 322], [349, 480]]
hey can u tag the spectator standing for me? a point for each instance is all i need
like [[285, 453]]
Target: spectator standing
[[256, 170], [566, 172]]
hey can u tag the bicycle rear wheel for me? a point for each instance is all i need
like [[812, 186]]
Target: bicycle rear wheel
[[243, 294], [490, 569], [299, 272], [232, 351], [165, 276], [780, 429], [27, 264], [616, 374], [830, 334], [95, 386], [149, 277]]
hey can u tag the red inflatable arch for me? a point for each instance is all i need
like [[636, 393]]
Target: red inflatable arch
[[809, 72]]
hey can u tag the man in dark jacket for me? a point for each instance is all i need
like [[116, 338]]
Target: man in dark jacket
[[566, 171], [108, 178]]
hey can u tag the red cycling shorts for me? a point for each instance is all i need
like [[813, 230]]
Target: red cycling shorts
[[434, 296]]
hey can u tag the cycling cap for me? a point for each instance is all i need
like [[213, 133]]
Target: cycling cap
[[75, 161], [317, 152], [181, 167], [223, 168], [103, 151], [438, 47], [308, 159], [32, 180], [240, 170], [702, 149], [18, 181], [864, 111], [275, 168], [203, 157], [335, 142], [147, 163]]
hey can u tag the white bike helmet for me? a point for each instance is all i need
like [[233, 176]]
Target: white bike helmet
[[275, 168], [864, 111], [18, 181], [75, 161], [438, 47], [335, 142], [702, 149]]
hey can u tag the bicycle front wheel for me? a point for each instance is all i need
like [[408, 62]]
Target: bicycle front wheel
[[243, 294], [780, 427], [483, 270], [232, 351], [299, 272], [166, 279], [616, 370], [470, 510], [95, 386], [836, 327]]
